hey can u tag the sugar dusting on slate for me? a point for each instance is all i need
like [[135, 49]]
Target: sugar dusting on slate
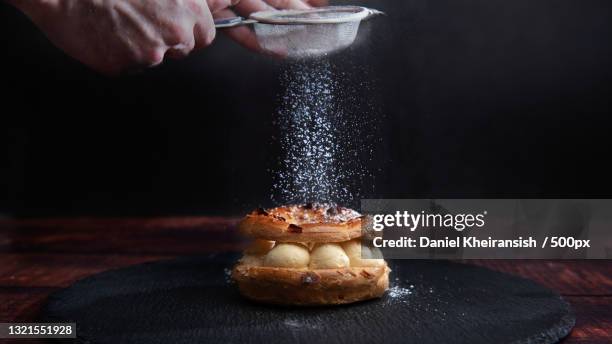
[[400, 293], [322, 136]]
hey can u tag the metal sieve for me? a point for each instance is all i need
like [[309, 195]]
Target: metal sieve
[[304, 33]]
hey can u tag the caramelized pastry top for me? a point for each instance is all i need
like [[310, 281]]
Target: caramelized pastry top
[[311, 213], [312, 222]]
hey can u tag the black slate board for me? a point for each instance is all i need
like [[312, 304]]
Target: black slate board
[[190, 300]]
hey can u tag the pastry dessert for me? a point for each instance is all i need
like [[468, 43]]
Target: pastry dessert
[[307, 255]]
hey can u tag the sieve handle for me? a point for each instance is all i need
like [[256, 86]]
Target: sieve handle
[[233, 21]]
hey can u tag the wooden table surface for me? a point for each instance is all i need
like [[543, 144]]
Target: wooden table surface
[[38, 257]]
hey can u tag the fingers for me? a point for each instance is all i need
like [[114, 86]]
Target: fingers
[[288, 4], [246, 7], [182, 37], [204, 29], [180, 50], [243, 35], [219, 5], [317, 3]]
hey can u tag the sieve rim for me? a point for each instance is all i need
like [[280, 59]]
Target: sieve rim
[[355, 13]]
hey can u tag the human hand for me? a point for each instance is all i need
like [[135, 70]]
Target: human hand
[[111, 36]]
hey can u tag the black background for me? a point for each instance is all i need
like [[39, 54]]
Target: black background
[[478, 98]]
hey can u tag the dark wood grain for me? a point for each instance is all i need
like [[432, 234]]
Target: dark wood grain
[[593, 319], [185, 236], [60, 270], [22, 304], [38, 257]]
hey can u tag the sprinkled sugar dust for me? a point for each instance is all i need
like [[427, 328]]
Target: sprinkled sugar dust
[[308, 168], [325, 133], [399, 293]]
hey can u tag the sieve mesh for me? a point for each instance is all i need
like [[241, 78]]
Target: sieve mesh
[[304, 33], [306, 40]]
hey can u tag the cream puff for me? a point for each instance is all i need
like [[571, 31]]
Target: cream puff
[[308, 255]]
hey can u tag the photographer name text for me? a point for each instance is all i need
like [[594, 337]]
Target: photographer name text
[[473, 242]]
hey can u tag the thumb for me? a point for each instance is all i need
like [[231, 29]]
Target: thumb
[[219, 5]]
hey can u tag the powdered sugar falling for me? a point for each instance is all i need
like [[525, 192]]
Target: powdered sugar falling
[[320, 137]]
